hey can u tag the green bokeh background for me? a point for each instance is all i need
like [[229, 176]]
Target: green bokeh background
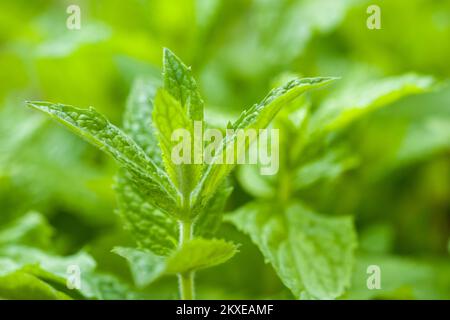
[[238, 50]]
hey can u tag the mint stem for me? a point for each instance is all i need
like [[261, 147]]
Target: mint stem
[[186, 280]]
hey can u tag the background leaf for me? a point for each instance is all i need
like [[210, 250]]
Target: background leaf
[[312, 254]]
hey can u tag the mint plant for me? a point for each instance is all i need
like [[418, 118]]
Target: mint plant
[[173, 210], [313, 253]]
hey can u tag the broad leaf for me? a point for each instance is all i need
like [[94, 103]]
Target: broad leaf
[[312, 254]]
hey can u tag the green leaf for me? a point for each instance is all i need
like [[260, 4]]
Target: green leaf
[[138, 117], [97, 130], [152, 229], [196, 254], [180, 83], [24, 255], [254, 183], [200, 254], [326, 167], [257, 117], [30, 229], [30, 273], [33, 272], [424, 139], [168, 116], [103, 286], [359, 99], [145, 266], [210, 219], [22, 285], [311, 253], [401, 278]]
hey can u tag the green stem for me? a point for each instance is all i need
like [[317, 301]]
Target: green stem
[[186, 280]]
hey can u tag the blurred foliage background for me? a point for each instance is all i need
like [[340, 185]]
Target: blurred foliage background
[[55, 190]]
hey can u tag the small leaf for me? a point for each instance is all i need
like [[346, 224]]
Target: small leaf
[[196, 254], [312, 254], [180, 83], [168, 116], [200, 254], [145, 266]]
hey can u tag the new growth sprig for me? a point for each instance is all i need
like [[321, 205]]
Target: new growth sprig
[[172, 209]]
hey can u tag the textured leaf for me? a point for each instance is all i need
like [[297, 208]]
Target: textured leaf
[[179, 82], [152, 229], [138, 117], [169, 116], [312, 254], [93, 127], [355, 101], [256, 117]]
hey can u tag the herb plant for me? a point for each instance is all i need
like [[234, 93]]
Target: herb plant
[[312, 253], [173, 210]]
